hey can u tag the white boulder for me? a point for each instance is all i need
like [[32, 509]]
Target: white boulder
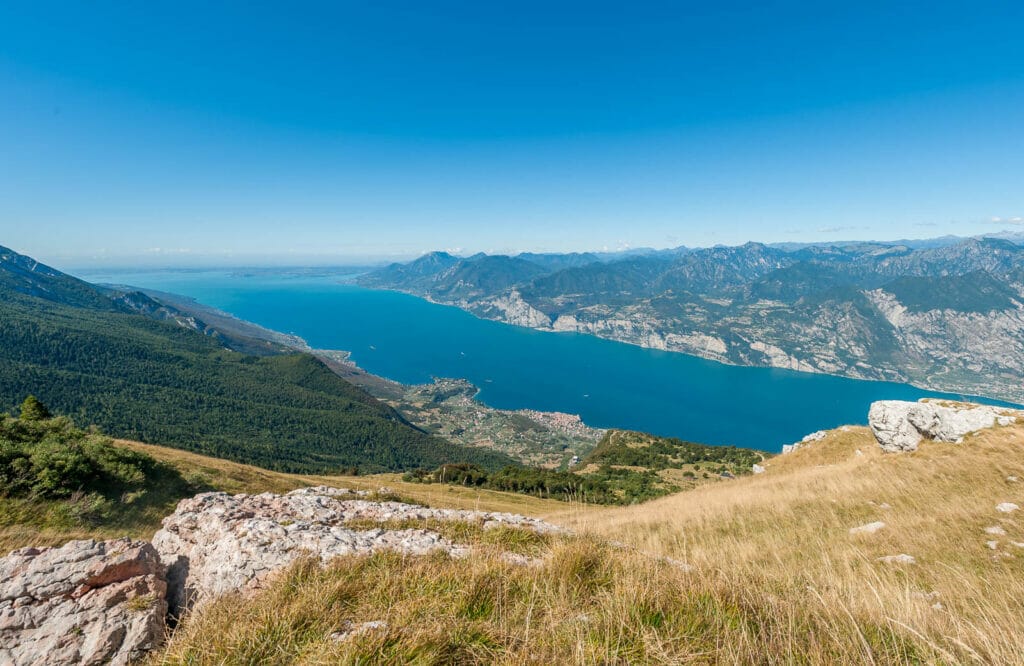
[[900, 426]]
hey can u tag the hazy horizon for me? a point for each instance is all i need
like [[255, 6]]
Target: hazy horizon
[[230, 261]]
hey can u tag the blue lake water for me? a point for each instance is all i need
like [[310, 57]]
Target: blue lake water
[[609, 384]]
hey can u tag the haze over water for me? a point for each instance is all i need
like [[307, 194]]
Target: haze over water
[[610, 384]]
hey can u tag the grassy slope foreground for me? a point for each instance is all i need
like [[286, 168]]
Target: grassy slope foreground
[[91, 356], [140, 497], [772, 574]]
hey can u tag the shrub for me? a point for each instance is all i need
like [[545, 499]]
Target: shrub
[[49, 458]]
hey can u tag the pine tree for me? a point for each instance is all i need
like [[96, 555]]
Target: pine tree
[[33, 410]]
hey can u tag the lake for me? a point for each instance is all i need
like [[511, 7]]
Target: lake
[[609, 384]]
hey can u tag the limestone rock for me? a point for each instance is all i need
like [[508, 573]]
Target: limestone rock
[[900, 426], [758, 469], [216, 543], [807, 439], [902, 558], [87, 602], [870, 528], [1006, 507]]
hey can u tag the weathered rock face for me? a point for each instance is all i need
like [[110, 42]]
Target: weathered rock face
[[900, 426], [216, 543], [87, 602]]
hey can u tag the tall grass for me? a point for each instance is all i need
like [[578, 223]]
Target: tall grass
[[772, 575], [781, 540]]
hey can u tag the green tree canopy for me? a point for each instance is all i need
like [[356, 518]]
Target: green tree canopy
[[33, 410]]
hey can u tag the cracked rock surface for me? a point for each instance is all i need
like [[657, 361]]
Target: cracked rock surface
[[216, 543], [86, 602]]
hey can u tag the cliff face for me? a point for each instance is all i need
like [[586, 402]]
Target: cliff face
[[949, 318], [980, 353]]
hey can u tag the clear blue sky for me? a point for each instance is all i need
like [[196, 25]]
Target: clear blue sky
[[181, 132]]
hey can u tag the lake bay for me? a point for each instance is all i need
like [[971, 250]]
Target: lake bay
[[609, 384]]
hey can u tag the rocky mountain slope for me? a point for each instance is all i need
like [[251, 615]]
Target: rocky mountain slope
[[90, 602], [948, 315]]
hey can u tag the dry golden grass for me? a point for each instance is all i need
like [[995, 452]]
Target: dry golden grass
[[234, 477], [775, 577], [580, 606], [781, 540]]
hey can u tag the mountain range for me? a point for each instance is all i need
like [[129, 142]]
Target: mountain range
[[946, 314]]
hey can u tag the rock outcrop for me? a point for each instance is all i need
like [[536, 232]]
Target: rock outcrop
[[816, 436], [107, 602], [900, 426], [87, 602], [216, 543]]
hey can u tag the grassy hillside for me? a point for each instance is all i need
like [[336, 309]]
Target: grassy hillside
[[776, 551], [761, 569], [172, 474], [643, 466]]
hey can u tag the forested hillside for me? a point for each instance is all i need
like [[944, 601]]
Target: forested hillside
[[164, 382]]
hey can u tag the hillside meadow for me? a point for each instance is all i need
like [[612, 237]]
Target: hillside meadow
[[761, 569]]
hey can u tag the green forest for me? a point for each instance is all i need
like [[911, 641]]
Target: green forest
[[158, 382], [622, 469]]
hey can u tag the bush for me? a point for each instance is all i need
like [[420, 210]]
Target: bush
[[49, 458]]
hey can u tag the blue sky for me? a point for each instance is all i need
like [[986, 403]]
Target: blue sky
[[183, 133]]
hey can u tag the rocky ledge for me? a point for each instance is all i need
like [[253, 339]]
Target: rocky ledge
[[901, 426], [216, 543], [87, 602], [107, 602]]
